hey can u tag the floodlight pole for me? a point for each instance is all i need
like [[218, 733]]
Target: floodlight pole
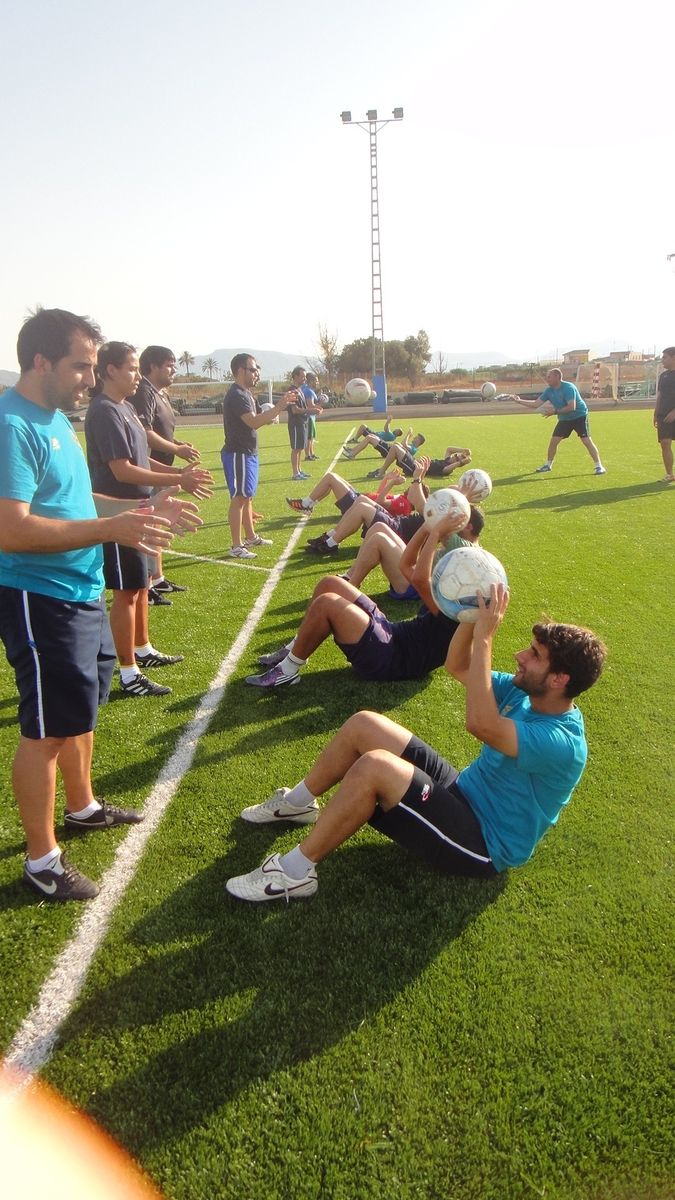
[[372, 125]]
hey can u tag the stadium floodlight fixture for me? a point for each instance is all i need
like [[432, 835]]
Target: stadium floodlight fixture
[[372, 127]]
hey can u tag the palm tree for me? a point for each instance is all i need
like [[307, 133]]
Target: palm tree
[[210, 365], [186, 360]]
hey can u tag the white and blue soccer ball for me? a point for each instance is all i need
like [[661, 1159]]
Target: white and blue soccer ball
[[460, 576], [476, 484], [446, 502], [488, 391]]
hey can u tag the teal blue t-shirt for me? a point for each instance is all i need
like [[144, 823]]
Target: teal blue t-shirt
[[561, 396], [43, 465], [517, 799]]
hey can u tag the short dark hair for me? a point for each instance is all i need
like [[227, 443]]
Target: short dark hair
[[49, 332], [669, 350], [154, 356], [476, 521], [398, 432], [297, 371], [110, 354], [573, 651], [239, 361]]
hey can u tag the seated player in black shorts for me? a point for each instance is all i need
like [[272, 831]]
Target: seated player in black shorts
[[400, 454], [455, 456], [401, 513], [475, 822], [377, 648]]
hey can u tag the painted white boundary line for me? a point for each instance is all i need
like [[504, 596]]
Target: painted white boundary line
[[35, 1040], [245, 565]]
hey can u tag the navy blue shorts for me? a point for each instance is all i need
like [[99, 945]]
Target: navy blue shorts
[[375, 656], [125, 569], [579, 426], [241, 473], [347, 500], [434, 820], [297, 435], [63, 657]]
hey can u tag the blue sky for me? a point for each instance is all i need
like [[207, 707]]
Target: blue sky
[[180, 172]]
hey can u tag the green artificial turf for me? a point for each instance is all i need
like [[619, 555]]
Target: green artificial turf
[[400, 1034]]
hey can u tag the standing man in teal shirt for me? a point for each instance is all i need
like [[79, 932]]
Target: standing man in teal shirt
[[52, 610], [565, 401]]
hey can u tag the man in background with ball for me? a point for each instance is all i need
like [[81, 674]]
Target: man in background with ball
[[475, 822]]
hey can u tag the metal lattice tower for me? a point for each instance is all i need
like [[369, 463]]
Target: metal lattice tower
[[376, 271], [373, 125]]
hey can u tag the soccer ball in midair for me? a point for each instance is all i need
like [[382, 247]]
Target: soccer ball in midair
[[488, 391], [446, 502], [359, 390], [459, 576], [476, 484]]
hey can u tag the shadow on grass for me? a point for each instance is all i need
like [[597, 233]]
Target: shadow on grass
[[568, 501], [255, 989]]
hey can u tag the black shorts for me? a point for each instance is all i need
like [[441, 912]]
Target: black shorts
[[347, 500], [297, 435], [407, 463], [63, 657], [434, 820], [579, 426], [665, 430], [124, 569]]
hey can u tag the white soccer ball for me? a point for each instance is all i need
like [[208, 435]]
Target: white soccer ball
[[359, 391], [488, 391], [476, 484], [459, 576], [446, 502]]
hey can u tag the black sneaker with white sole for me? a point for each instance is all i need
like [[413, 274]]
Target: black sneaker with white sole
[[157, 660], [167, 585], [156, 597], [66, 883], [140, 685], [106, 817]]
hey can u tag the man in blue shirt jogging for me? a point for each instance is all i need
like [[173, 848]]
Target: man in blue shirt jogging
[[565, 400], [475, 822]]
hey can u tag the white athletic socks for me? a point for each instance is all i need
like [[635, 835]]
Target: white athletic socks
[[127, 674], [91, 808], [299, 796], [290, 665], [295, 864], [330, 540], [307, 502], [48, 862]]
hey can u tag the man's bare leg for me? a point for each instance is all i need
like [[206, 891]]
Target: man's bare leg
[[234, 517], [384, 548], [667, 454], [123, 624], [74, 763], [361, 512], [365, 757], [592, 450], [34, 782]]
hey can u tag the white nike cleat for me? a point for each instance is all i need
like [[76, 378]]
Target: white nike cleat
[[269, 882], [277, 808]]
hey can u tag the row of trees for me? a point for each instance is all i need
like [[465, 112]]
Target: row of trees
[[406, 359], [209, 366]]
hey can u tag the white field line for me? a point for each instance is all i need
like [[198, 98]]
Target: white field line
[[36, 1038], [244, 564]]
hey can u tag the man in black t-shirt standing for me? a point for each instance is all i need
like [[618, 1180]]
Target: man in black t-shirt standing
[[158, 367], [239, 455], [664, 411]]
